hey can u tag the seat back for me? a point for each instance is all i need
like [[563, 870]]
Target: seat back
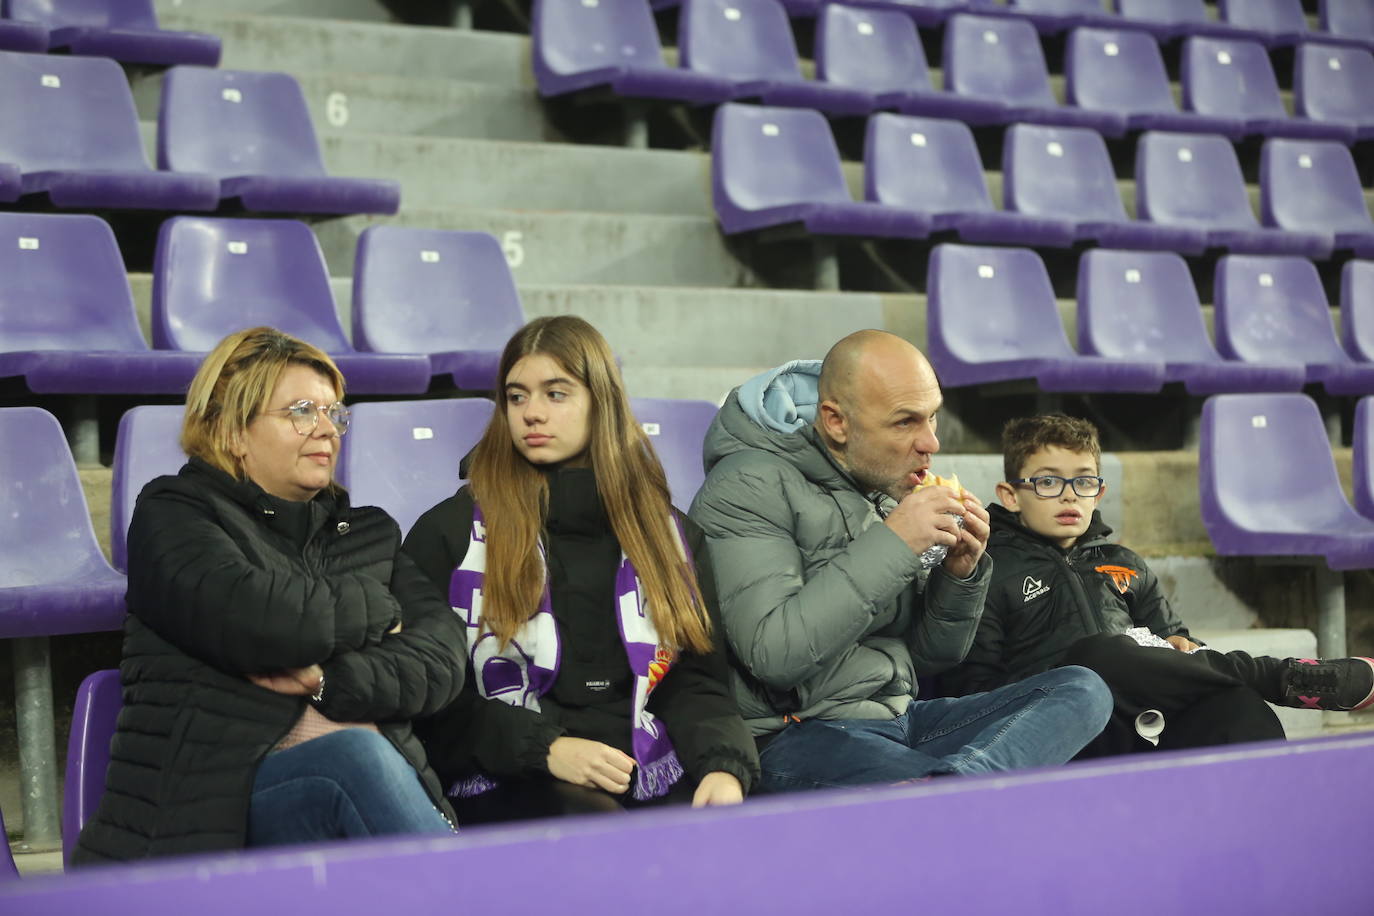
[[1363, 470], [1116, 70], [8, 870], [403, 455], [1331, 83], [1174, 12], [98, 702], [738, 39], [926, 164], [1059, 172], [1140, 305], [1357, 309], [677, 429], [575, 36], [71, 265], [147, 445], [1348, 18], [997, 58], [1191, 180], [873, 50], [229, 123], [1229, 78], [432, 291], [1273, 309], [67, 113], [46, 535], [103, 14], [1311, 186], [212, 277], [1274, 16], [1061, 7]]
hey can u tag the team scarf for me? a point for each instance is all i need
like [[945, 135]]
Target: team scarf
[[526, 669]]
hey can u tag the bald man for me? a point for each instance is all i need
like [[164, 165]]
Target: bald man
[[817, 532]]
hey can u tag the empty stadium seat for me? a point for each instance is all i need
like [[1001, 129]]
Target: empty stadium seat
[[26, 37], [1273, 309], [147, 445], [677, 429], [992, 317], [1312, 186], [1050, 16], [1120, 70], [1142, 305], [1331, 83], [67, 319], [1232, 78], [1064, 173], [750, 43], [126, 30], [1357, 310], [780, 166], [1268, 483], [447, 294], [8, 870], [69, 125], [11, 184], [1363, 458], [612, 44], [212, 277], [922, 12], [1000, 59], [1348, 19], [98, 702], [1194, 180], [931, 166], [1282, 21], [403, 455], [1171, 18], [253, 132]]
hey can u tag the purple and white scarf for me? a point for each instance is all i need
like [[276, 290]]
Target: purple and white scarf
[[527, 668]]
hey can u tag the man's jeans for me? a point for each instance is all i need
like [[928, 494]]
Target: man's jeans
[[1041, 721], [349, 783]]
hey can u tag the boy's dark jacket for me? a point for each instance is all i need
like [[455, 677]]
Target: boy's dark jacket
[[1043, 599]]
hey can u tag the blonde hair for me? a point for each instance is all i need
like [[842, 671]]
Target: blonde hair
[[232, 387], [514, 495]]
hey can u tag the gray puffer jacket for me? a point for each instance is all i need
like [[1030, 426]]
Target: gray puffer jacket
[[827, 611]]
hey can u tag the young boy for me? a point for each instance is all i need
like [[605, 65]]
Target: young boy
[[1062, 594]]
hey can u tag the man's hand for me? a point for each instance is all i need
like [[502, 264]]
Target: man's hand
[[926, 517], [718, 788], [296, 682], [584, 762], [1182, 643], [963, 557]]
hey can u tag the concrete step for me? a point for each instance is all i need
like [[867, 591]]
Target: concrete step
[[362, 10]]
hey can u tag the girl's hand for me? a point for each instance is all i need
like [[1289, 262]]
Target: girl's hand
[[718, 788], [583, 762], [296, 682]]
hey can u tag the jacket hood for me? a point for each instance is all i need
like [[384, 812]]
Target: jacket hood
[[1007, 529]]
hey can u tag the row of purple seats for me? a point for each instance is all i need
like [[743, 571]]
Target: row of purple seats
[[69, 132], [126, 30]]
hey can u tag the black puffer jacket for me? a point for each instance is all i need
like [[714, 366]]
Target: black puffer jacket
[[220, 589], [1044, 599]]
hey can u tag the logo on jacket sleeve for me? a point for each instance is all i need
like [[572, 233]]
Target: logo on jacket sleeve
[[1121, 576], [1033, 588]]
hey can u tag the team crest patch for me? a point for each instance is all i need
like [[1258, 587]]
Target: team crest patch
[[1121, 576]]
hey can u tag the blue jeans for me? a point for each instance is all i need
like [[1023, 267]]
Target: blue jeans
[[1041, 721], [350, 783]]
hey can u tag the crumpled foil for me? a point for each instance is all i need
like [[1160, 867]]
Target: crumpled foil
[[936, 555]]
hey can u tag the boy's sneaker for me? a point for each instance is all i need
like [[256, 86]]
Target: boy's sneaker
[[1341, 684]]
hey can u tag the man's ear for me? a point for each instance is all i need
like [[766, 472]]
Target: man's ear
[[834, 423], [1006, 493]]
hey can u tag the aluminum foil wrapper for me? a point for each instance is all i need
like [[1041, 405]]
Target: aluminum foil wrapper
[[936, 555]]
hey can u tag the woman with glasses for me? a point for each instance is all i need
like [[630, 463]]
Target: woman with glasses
[[278, 642], [598, 680]]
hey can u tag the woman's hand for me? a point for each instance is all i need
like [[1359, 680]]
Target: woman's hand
[[296, 682], [590, 763], [718, 788]]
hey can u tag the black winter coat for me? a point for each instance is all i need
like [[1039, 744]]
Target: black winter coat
[[592, 694], [219, 590], [1044, 599]]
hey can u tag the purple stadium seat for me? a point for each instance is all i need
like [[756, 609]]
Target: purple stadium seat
[[677, 429], [1273, 309], [1170, 18], [67, 320], [1312, 186], [1228, 78], [146, 446], [612, 44], [922, 12], [98, 702], [1283, 21], [253, 132], [53, 578], [1194, 180], [448, 294], [750, 43], [931, 166], [1142, 305], [991, 316], [1357, 310], [11, 183], [26, 37], [1120, 70], [1331, 83], [212, 277], [125, 30], [71, 129], [404, 455], [1353, 19], [1051, 16], [780, 166], [1268, 482], [8, 870], [1064, 173], [1363, 469], [999, 58]]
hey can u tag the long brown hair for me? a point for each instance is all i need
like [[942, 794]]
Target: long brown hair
[[514, 494]]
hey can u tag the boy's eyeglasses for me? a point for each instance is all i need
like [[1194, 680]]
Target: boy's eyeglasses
[[1050, 486], [305, 415]]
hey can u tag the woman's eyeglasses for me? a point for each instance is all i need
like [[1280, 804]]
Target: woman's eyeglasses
[[305, 415]]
